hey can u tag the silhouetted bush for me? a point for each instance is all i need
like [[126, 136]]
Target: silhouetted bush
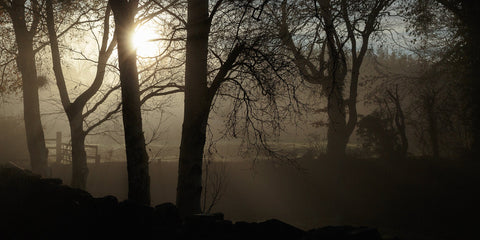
[[378, 137]]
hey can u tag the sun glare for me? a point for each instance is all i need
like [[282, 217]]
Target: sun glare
[[144, 42]]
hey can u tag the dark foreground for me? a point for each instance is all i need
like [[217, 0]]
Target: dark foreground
[[413, 199], [37, 208]]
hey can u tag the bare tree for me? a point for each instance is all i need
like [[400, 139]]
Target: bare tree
[[26, 19], [196, 110], [84, 112], [431, 96], [236, 66], [75, 109], [384, 129], [399, 120], [137, 158], [338, 35]]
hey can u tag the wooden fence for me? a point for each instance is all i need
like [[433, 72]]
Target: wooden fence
[[62, 152]]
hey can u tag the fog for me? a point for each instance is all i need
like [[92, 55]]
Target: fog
[[415, 198], [294, 114]]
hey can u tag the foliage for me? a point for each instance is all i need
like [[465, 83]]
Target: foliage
[[378, 135], [432, 98], [449, 34]]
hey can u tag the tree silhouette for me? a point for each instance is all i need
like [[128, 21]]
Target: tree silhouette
[[338, 35], [227, 59], [26, 24], [137, 158], [75, 109]]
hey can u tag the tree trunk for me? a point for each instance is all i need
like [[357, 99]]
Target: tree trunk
[[433, 129], [472, 9], [337, 136], [33, 125], [137, 157], [467, 12], [74, 110], [189, 187], [31, 107], [403, 138], [79, 156], [475, 99], [196, 111], [400, 123]]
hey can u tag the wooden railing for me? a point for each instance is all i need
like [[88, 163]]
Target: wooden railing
[[62, 152]]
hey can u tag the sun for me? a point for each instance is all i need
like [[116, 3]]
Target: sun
[[144, 41]]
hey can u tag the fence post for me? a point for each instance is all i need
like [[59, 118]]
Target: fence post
[[58, 149], [97, 156]]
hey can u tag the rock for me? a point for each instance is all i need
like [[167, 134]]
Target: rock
[[201, 226], [42, 208], [54, 181], [276, 229], [343, 233], [108, 202], [167, 214]]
